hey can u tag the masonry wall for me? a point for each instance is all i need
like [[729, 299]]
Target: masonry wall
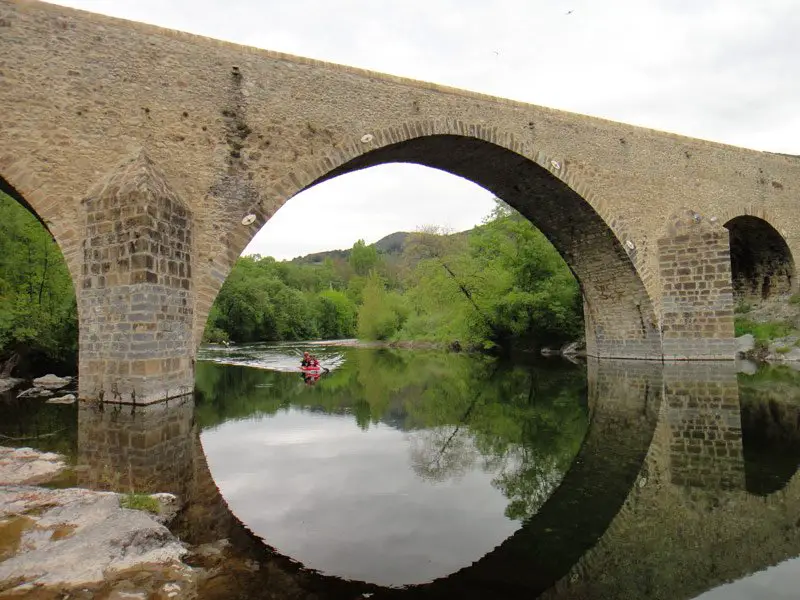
[[697, 296], [136, 301]]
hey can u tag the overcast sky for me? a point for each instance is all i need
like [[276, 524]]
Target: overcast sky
[[724, 70]]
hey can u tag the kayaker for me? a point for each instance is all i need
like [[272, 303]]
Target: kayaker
[[306, 362]]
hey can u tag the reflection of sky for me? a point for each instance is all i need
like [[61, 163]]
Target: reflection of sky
[[776, 583], [347, 503]]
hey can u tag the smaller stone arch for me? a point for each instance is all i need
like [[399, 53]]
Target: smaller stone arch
[[762, 265]]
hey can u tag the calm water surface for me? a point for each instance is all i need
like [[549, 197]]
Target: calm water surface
[[431, 475], [394, 468]]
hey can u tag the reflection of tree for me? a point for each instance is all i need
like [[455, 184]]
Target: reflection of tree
[[441, 453], [527, 482], [522, 425]]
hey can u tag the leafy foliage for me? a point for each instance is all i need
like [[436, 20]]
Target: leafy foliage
[[501, 283], [38, 312]]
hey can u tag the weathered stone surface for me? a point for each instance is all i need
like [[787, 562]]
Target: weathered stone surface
[[9, 384], [28, 466], [574, 349], [781, 352], [66, 399], [745, 343], [52, 382], [211, 133], [746, 366], [100, 539]]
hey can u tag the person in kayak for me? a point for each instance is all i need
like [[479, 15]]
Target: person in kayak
[[306, 362]]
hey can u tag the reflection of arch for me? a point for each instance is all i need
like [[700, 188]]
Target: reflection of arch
[[620, 319], [624, 401], [761, 262]]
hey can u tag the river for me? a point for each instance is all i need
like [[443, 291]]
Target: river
[[429, 474]]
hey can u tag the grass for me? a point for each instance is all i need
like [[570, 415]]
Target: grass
[[140, 502], [794, 299], [783, 350], [762, 332], [743, 307]]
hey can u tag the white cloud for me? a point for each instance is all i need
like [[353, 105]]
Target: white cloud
[[723, 70]]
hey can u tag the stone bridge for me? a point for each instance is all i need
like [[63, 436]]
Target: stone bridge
[[154, 157]]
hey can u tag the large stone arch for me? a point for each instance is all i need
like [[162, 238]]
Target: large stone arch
[[620, 318]]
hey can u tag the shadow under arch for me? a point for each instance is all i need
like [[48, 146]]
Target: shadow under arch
[[762, 265], [620, 318]]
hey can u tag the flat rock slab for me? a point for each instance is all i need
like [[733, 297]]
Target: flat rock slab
[[77, 537], [28, 466], [52, 382], [66, 399]]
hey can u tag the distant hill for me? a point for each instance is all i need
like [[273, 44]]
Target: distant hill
[[392, 244]]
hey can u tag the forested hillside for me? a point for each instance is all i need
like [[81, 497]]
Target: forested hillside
[[499, 285], [38, 314]]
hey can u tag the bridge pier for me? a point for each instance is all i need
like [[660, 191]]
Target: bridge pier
[[136, 294], [696, 292]]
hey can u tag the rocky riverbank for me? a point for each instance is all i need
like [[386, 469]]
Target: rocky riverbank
[[78, 543], [57, 390]]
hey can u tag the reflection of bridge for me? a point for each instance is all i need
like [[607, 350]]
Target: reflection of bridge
[[155, 156], [654, 504]]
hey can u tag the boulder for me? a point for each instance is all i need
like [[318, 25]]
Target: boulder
[[9, 383], [52, 382], [574, 349], [744, 344], [79, 537], [781, 353], [35, 392], [28, 466], [746, 366], [66, 399]]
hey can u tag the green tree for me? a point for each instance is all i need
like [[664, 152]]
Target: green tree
[[363, 258], [38, 312], [382, 313], [336, 315]]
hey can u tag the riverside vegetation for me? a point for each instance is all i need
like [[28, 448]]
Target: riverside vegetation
[[498, 285], [38, 313]]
